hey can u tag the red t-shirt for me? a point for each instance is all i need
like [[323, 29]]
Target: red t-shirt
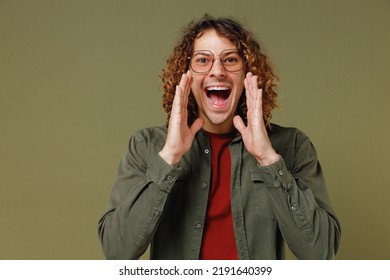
[[218, 241]]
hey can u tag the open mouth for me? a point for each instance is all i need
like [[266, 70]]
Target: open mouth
[[218, 95]]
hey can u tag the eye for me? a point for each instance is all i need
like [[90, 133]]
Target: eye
[[201, 59], [231, 59]]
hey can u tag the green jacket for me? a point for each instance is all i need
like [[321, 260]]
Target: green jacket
[[155, 203]]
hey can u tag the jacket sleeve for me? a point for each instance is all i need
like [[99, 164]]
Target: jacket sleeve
[[301, 204], [137, 200]]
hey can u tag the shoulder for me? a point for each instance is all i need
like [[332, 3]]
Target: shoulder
[[146, 142], [293, 145], [286, 137], [150, 134]]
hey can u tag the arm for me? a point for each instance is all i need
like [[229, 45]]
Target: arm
[[137, 200], [180, 136], [300, 201], [301, 204], [144, 181]]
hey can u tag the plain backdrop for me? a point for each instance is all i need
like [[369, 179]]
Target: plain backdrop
[[78, 77]]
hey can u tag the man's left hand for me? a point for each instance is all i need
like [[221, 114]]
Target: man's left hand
[[255, 134]]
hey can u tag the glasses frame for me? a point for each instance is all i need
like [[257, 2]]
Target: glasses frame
[[220, 59]]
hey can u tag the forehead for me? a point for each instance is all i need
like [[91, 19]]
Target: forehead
[[212, 41]]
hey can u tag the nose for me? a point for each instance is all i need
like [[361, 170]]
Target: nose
[[217, 69]]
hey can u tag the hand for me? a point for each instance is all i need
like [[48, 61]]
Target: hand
[[180, 136], [255, 134]]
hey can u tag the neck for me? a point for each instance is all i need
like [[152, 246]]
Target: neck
[[224, 128]]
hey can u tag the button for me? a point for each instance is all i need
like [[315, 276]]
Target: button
[[206, 151], [204, 185], [293, 208], [169, 178], [198, 225], [280, 172]]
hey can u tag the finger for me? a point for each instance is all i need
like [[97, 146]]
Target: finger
[[258, 104], [187, 88], [248, 91], [188, 82], [254, 89], [176, 105], [251, 89], [177, 98], [185, 82], [185, 85], [196, 126], [239, 124]]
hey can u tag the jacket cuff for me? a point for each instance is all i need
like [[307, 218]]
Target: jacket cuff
[[162, 174], [274, 175]]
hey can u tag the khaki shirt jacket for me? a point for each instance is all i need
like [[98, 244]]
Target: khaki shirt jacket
[[154, 203]]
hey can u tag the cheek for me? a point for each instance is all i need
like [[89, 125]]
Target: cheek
[[239, 80], [196, 87], [196, 93], [240, 86]]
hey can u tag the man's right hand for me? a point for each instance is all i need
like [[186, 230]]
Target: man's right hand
[[180, 136]]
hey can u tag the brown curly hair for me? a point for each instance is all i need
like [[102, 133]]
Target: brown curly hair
[[256, 61]]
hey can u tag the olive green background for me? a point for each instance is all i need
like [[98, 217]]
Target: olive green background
[[77, 78]]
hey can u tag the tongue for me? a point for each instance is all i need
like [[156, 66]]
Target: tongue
[[217, 99]]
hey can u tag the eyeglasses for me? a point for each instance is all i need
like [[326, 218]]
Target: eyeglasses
[[202, 61]]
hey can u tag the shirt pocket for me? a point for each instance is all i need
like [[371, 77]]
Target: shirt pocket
[[260, 198], [175, 202]]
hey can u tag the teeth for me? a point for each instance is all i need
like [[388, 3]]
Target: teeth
[[217, 88]]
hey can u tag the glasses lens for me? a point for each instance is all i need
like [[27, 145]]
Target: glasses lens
[[202, 61], [232, 60]]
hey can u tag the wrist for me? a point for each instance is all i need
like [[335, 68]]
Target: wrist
[[269, 159], [170, 158]]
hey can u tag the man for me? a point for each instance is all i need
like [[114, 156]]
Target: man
[[220, 181]]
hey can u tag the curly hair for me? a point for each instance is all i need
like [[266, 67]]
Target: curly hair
[[256, 61]]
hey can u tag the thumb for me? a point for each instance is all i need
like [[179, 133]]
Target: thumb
[[196, 126], [239, 124]]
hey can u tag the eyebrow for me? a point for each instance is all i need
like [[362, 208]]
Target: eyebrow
[[229, 51], [207, 52], [204, 52]]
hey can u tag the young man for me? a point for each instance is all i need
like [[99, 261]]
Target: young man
[[219, 181]]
